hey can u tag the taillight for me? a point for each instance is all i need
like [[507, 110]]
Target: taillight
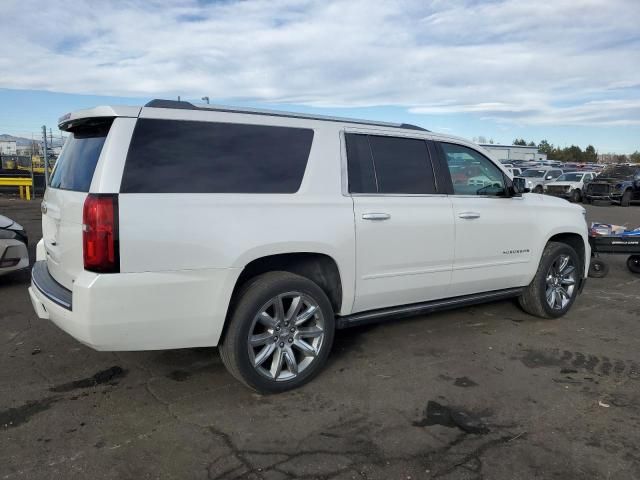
[[100, 248]]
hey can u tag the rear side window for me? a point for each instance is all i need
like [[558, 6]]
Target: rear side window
[[388, 165], [175, 156], [75, 167]]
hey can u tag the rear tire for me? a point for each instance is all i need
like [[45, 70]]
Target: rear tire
[[633, 263], [598, 268], [625, 201], [555, 285], [538, 189], [279, 334]]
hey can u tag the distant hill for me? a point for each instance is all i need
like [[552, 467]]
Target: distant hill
[[20, 141], [25, 142]]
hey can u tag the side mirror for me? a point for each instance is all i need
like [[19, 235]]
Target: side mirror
[[518, 187]]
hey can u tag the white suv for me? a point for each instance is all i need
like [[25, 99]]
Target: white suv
[[171, 226]]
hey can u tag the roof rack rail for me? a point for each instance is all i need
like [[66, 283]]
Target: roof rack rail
[[179, 104]]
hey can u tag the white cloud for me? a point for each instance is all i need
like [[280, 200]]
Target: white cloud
[[562, 62]]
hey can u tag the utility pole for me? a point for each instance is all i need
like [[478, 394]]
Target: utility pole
[[46, 158], [33, 183]]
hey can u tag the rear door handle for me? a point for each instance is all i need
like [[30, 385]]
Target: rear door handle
[[376, 216], [469, 215]]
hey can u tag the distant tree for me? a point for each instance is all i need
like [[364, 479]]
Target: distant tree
[[590, 154], [531, 144], [520, 141], [635, 157], [545, 147], [482, 139], [573, 154], [491, 141]]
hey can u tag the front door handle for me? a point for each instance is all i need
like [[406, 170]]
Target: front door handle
[[376, 216], [469, 215]]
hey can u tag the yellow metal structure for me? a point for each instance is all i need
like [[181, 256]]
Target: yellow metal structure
[[25, 184]]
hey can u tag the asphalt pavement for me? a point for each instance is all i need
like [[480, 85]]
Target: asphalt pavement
[[481, 392]]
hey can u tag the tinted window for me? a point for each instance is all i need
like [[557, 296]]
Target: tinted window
[[360, 164], [402, 165], [170, 156], [391, 165], [471, 172], [75, 167]]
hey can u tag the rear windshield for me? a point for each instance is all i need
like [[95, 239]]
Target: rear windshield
[[179, 156], [77, 162]]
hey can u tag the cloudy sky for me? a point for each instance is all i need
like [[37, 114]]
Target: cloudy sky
[[565, 70]]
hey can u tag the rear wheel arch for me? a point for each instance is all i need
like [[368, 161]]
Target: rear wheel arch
[[320, 268]]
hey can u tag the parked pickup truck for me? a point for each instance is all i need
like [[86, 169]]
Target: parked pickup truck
[[569, 185], [536, 178], [262, 232], [616, 183]]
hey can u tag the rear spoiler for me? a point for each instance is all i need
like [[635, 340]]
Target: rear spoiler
[[81, 117]]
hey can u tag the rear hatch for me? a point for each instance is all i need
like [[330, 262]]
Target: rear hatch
[[64, 199]]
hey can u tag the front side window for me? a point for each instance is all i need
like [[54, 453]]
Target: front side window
[[178, 156], [472, 173], [388, 165]]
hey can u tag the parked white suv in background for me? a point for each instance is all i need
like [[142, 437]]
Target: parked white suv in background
[[171, 226]]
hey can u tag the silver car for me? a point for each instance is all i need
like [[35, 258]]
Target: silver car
[[13, 246], [536, 178]]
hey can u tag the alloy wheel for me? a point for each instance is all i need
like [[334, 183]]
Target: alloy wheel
[[286, 336], [560, 282]]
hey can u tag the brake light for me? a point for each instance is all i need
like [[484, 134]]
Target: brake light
[[100, 246]]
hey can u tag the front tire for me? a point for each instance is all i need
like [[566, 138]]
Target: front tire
[[538, 189], [625, 201], [555, 285], [280, 332], [576, 196]]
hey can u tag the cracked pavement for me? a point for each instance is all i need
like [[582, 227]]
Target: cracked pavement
[[482, 392]]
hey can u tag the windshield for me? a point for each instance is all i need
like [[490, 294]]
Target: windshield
[[533, 173], [570, 177], [618, 171]]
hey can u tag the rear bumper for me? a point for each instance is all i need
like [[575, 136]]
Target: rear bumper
[[138, 311]]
